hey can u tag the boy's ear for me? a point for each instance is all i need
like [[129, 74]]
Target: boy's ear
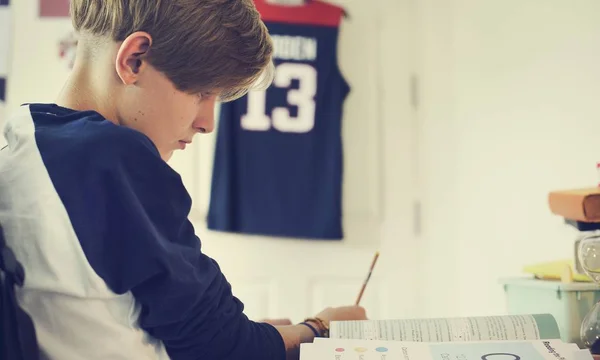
[[131, 56]]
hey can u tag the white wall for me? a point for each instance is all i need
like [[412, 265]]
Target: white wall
[[36, 71], [510, 111], [5, 46]]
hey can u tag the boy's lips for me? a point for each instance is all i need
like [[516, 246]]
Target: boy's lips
[[183, 143]]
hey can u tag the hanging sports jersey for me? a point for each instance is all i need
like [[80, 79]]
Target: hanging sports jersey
[[278, 161]]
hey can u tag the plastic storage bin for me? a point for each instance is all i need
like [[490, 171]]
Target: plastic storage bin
[[569, 303]]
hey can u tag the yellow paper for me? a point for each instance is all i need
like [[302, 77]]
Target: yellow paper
[[553, 270]]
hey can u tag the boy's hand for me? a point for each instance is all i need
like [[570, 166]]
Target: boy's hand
[[342, 313], [293, 336]]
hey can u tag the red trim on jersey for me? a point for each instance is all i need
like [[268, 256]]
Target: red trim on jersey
[[314, 12]]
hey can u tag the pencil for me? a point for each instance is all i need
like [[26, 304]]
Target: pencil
[[362, 290]]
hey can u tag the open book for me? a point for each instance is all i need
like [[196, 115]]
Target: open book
[[510, 327], [514, 337]]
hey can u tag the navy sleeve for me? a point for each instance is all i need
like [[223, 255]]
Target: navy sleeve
[[150, 248]]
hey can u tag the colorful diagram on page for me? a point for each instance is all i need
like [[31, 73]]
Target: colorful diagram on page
[[346, 350]]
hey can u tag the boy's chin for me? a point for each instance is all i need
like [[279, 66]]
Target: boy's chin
[[167, 155]]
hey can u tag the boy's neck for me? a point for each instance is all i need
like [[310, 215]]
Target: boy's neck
[[85, 90]]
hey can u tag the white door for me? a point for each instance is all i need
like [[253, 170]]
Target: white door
[[282, 277]]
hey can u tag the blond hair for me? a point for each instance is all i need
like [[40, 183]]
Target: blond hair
[[200, 45]]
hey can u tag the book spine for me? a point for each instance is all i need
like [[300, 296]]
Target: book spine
[[575, 206]]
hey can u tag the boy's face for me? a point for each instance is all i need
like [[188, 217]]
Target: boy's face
[[150, 103], [169, 117]]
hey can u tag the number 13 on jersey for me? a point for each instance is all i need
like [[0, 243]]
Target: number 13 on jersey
[[303, 98]]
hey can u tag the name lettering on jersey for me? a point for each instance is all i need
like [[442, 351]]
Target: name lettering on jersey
[[298, 48]]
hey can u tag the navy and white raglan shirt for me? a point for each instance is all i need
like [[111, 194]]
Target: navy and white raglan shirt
[[113, 267]]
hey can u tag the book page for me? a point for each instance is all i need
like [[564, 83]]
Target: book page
[[514, 327], [345, 349], [582, 354]]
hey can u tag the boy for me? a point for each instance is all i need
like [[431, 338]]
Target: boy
[[95, 214]]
